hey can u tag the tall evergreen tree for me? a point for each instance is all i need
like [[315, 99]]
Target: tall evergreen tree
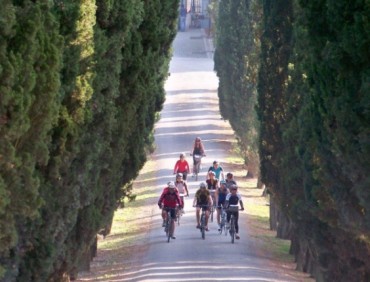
[[236, 63], [82, 83]]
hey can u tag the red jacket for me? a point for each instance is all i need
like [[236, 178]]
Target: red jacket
[[181, 166], [170, 200]]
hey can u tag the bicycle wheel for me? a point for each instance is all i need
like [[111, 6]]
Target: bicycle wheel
[[223, 221], [232, 229], [203, 226]]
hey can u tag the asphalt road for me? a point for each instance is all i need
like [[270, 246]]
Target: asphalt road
[[191, 109]]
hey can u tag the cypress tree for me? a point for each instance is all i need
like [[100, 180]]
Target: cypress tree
[[236, 63]]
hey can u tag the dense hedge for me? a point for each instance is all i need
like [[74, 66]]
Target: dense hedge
[[313, 107], [80, 84]]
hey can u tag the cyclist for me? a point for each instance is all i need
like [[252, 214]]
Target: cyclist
[[182, 187], [182, 166], [202, 200], [212, 185], [234, 198], [229, 180], [218, 170], [221, 194], [168, 200], [198, 149]]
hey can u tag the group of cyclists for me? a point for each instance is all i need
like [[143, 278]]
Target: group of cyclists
[[216, 191]]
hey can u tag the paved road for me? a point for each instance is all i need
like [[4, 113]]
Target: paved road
[[191, 109]]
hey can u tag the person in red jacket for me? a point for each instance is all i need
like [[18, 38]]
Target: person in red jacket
[[182, 166], [169, 200]]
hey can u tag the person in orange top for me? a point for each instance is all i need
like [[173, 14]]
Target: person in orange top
[[182, 166]]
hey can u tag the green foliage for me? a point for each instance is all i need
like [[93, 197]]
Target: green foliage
[[314, 153], [81, 82], [313, 109], [236, 62]]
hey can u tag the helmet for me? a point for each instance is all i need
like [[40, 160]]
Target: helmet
[[171, 184], [234, 187], [182, 155], [178, 175], [222, 182], [202, 185], [211, 172], [198, 139]]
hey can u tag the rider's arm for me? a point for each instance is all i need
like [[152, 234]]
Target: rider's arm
[[160, 200], [186, 188], [240, 201], [187, 167], [241, 204], [194, 202], [227, 200], [176, 167], [202, 149]]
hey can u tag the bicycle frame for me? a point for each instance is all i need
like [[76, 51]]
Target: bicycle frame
[[203, 220], [169, 226]]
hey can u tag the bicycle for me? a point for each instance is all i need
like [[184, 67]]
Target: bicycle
[[223, 221], [169, 228], [232, 231]]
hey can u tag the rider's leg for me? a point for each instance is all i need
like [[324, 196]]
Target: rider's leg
[[228, 216], [207, 216], [198, 216], [236, 216], [183, 204], [218, 215]]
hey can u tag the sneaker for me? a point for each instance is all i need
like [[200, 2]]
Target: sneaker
[[207, 228], [219, 227], [173, 237], [237, 236]]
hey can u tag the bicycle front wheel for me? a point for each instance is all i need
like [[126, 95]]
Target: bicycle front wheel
[[203, 226], [232, 229]]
